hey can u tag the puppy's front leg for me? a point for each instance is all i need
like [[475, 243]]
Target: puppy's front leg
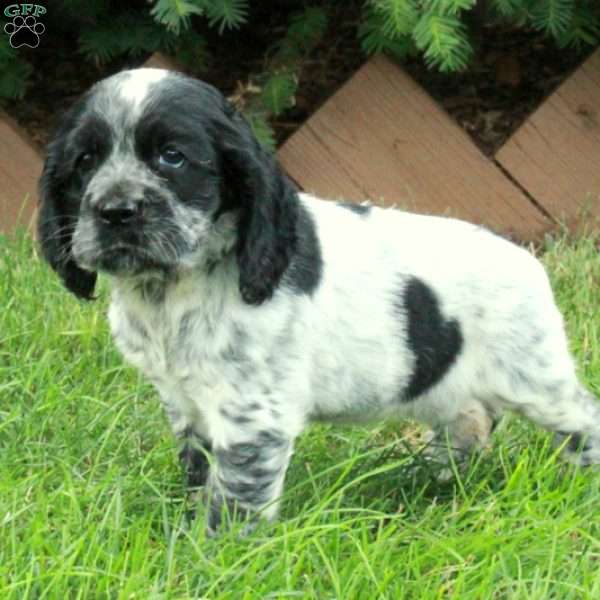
[[193, 458], [246, 479]]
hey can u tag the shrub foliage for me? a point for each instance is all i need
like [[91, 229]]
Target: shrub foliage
[[439, 30]]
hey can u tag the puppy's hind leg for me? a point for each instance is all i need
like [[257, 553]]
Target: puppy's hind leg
[[566, 408], [581, 426], [455, 441], [531, 372]]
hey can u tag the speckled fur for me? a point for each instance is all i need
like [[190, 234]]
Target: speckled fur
[[363, 314]]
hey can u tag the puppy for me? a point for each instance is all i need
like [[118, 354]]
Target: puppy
[[255, 310]]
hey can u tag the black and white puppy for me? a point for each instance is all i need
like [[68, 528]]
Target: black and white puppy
[[255, 310]]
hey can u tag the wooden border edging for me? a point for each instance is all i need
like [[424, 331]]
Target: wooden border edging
[[382, 137], [20, 167], [555, 154]]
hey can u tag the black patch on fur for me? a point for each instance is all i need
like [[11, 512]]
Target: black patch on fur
[[194, 462], [181, 110], [434, 340], [306, 269], [359, 209]]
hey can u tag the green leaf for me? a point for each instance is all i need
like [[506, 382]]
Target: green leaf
[[584, 29], [508, 8], [227, 14], [306, 29], [443, 41], [191, 50], [278, 92], [375, 36], [397, 17], [175, 14], [552, 16], [448, 7], [304, 32], [262, 130], [131, 34]]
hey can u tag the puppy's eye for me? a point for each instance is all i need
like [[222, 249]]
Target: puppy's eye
[[86, 161], [170, 157]]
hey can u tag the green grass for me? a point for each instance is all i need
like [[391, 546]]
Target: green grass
[[92, 502]]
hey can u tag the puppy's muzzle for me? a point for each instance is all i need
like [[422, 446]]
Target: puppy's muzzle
[[120, 212]]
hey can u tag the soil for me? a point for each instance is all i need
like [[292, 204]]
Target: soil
[[513, 71]]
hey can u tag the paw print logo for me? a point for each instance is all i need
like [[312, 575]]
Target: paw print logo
[[24, 31]]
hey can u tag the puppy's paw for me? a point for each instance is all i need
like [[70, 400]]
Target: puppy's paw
[[579, 448], [224, 512]]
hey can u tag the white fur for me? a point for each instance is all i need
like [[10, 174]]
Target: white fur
[[135, 84], [307, 356], [254, 320]]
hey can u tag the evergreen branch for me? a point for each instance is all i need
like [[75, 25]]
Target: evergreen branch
[[227, 14], [175, 14], [508, 8], [448, 7], [278, 92], [584, 29], [261, 128], [191, 50], [443, 41], [305, 31], [131, 34], [552, 16], [398, 17], [376, 37]]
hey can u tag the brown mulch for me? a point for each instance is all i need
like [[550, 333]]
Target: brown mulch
[[512, 73]]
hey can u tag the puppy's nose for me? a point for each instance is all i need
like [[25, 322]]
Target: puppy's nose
[[120, 212]]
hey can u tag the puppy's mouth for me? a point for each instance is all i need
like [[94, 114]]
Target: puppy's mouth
[[122, 259], [135, 249], [125, 258]]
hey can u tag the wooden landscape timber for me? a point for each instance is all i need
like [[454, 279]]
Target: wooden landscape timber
[[382, 138], [555, 154], [20, 167]]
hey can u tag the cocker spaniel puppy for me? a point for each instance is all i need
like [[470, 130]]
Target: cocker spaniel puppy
[[255, 309]]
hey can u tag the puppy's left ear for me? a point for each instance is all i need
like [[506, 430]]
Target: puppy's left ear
[[56, 223], [267, 228]]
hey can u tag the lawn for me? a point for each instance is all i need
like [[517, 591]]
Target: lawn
[[92, 503]]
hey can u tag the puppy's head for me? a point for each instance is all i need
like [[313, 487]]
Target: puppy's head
[[152, 171]]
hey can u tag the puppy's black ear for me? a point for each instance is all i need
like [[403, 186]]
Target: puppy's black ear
[[268, 205], [56, 222]]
